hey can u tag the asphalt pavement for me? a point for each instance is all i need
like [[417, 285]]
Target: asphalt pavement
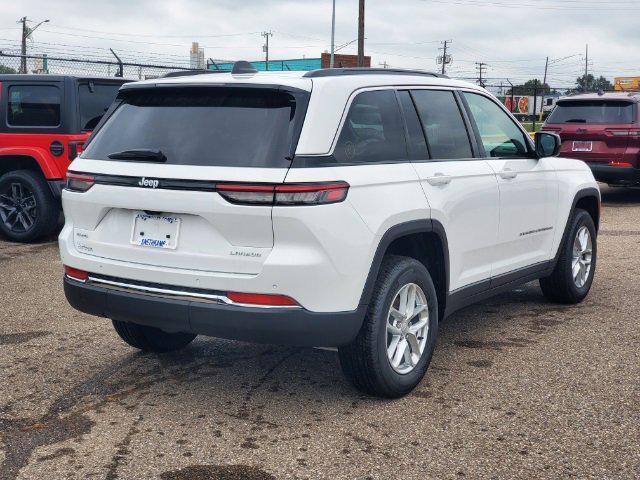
[[518, 388]]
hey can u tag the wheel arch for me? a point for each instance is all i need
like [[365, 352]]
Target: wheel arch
[[423, 240], [27, 159], [587, 199]]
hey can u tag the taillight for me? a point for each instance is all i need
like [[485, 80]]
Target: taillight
[[246, 194], [77, 182], [75, 149], [622, 132], [295, 194], [311, 194], [262, 299], [76, 274]]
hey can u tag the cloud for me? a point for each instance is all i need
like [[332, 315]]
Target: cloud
[[513, 36]]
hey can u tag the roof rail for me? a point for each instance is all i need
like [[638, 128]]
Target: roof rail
[[187, 73], [336, 72]]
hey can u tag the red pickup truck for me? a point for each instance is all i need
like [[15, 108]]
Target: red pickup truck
[[44, 121]]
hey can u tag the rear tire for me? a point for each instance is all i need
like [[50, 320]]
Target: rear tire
[[28, 210], [366, 361], [150, 339], [563, 285]]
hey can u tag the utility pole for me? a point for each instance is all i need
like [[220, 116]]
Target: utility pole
[[23, 58], [544, 83], [265, 48], [445, 59], [481, 67], [384, 64], [361, 33], [26, 33], [333, 34], [586, 66]]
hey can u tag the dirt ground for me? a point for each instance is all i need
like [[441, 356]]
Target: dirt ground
[[518, 388]]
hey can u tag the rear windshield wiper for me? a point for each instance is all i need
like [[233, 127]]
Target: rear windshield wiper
[[576, 120], [139, 156]]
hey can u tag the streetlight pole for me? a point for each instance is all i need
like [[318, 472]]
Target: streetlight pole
[[333, 33], [26, 33]]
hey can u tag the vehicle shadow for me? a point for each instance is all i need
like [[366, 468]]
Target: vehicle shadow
[[620, 196]]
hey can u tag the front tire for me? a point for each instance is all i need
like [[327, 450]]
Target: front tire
[[28, 210], [393, 349], [150, 339], [572, 276]]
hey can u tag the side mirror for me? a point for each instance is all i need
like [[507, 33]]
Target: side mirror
[[547, 144]]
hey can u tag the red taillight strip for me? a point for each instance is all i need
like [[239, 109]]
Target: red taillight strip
[[294, 194]]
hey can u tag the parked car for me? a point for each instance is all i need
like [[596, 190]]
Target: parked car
[[45, 120], [604, 131], [339, 208]]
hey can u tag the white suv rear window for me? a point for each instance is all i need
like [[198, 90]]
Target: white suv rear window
[[211, 126]]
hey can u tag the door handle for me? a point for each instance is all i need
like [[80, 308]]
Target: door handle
[[508, 174], [439, 178]]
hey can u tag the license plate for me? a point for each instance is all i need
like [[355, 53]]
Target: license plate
[[155, 231], [582, 146]]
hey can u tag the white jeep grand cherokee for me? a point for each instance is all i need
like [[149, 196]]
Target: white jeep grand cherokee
[[342, 208]]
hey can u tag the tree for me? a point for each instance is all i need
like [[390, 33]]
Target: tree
[[5, 69], [588, 83], [529, 86]]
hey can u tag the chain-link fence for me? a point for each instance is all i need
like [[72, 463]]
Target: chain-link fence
[[43, 64]]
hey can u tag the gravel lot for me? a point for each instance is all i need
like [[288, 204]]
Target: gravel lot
[[518, 388]]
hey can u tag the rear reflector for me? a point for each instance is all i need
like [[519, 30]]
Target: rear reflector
[[77, 182], [615, 163], [294, 194], [76, 274], [262, 299]]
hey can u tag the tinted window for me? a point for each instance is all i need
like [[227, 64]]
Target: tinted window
[[499, 134], [446, 133], [592, 112], [416, 142], [33, 106], [373, 130], [242, 127], [94, 100]]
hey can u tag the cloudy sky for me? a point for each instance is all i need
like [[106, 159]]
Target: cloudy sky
[[512, 36]]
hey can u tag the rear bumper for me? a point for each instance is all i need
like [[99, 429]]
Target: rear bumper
[[283, 326], [615, 175]]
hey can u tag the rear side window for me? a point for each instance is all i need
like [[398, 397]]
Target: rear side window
[[211, 126], [443, 125], [596, 111], [94, 99], [33, 106], [373, 130]]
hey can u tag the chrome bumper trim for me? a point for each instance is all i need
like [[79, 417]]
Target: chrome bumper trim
[[174, 293]]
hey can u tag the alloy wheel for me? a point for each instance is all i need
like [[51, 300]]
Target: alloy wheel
[[582, 256], [407, 328], [18, 208]]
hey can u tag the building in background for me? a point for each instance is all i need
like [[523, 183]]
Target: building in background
[[196, 56], [298, 64]]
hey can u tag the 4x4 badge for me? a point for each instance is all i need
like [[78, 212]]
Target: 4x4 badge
[[145, 182]]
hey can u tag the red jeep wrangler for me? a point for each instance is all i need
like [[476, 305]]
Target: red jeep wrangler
[[44, 121]]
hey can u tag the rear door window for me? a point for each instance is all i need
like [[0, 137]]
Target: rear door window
[[596, 111], [94, 99], [373, 130], [33, 106], [209, 126], [447, 136]]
